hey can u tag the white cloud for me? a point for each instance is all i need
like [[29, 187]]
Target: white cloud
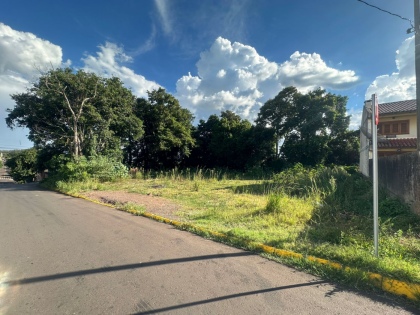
[[233, 76], [23, 56], [309, 71], [165, 19], [355, 119], [108, 62], [400, 85], [23, 53]]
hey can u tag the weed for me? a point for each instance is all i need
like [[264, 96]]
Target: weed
[[131, 208], [196, 186]]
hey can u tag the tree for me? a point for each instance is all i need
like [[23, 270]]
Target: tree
[[278, 114], [229, 141], [167, 138], [220, 141], [23, 165], [260, 147], [76, 113], [313, 126], [344, 149]]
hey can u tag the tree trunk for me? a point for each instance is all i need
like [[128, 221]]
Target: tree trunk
[[76, 140]]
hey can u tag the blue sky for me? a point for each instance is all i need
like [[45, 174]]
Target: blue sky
[[213, 55]]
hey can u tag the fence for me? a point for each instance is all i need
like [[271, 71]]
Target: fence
[[400, 174]]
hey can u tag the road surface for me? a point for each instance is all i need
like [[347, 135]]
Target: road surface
[[62, 255]]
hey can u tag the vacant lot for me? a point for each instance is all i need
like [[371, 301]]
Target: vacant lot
[[327, 215]]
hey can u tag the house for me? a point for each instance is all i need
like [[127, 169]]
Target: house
[[397, 133], [397, 129]]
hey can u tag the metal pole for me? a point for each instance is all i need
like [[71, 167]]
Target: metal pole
[[375, 118], [417, 58]]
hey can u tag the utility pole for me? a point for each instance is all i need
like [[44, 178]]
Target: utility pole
[[417, 56]]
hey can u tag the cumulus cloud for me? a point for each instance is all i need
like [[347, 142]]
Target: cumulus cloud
[[309, 71], [108, 62], [23, 53], [233, 76], [400, 85], [23, 56]]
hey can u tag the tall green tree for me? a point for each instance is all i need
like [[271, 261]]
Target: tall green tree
[[278, 114], [312, 126], [167, 138], [76, 113], [229, 141], [220, 141]]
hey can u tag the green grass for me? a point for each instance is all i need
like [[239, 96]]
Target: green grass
[[324, 212]]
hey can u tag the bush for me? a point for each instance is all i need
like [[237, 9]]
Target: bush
[[101, 168], [303, 182], [23, 165]]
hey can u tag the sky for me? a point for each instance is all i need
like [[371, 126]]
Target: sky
[[212, 55]]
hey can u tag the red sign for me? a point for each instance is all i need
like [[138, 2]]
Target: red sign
[[376, 111]]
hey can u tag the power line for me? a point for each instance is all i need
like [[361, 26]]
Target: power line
[[410, 30]]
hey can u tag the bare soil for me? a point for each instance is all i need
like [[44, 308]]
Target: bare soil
[[153, 204]]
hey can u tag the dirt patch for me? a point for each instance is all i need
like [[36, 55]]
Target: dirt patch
[[156, 205]]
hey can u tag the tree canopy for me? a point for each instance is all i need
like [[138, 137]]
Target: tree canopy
[[312, 126], [71, 114], [167, 138], [232, 142], [76, 113]]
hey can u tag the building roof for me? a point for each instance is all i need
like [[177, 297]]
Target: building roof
[[398, 143], [398, 107]]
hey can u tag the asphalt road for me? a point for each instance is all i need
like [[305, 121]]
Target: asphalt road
[[62, 255]]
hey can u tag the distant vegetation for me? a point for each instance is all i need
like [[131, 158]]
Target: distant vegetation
[[77, 114]]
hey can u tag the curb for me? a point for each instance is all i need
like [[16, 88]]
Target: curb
[[407, 290]]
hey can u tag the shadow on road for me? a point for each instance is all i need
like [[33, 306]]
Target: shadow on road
[[231, 296], [122, 267]]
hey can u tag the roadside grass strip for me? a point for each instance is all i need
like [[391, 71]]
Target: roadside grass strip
[[403, 289]]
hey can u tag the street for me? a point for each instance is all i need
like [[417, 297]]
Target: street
[[63, 255]]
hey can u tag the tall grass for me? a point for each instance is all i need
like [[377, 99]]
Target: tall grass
[[199, 174]]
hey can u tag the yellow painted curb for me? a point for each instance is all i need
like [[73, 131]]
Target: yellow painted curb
[[408, 290]]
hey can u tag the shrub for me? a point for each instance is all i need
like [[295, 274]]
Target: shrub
[[303, 182], [23, 165], [101, 168]]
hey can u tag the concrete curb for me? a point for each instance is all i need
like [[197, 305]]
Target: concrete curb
[[408, 290]]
